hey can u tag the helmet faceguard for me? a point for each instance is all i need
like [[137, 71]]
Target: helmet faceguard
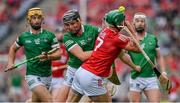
[[70, 16]]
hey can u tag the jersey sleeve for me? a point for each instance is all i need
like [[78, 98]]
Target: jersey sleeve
[[98, 30], [68, 42], [54, 42], [121, 41], [157, 43], [18, 41]]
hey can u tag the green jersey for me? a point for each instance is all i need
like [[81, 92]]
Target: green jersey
[[16, 80], [34, 45], [149, 45], [86, 41]]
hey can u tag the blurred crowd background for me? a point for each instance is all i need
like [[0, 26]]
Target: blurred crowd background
[[163, 21]]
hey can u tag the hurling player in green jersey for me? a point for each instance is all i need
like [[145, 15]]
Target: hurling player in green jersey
[[36, 41], [146, 80], [79, 41]]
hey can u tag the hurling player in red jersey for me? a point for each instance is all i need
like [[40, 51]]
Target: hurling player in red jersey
[[90, 77], [58, 68]]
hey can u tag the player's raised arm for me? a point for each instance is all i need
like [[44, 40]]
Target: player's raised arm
[[127, 60], [78, 52], [11, 55]]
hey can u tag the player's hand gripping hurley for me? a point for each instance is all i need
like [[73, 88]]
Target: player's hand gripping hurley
[[28, 60], [165, 82]]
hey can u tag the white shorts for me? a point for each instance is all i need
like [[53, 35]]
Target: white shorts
[[16, 90], [87, 83], [69, 75], [34, 81], [173, 96], [57, 82], [140, 84]]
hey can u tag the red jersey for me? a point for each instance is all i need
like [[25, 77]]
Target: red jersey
[[61, 62], [107, 48], [175, 84]]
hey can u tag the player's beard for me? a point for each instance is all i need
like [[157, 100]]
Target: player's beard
[[140, 29], [36, 27], [76, 31]]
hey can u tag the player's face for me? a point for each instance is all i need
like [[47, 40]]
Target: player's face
[[121, 26], [140, 25], [36, 21], [66, 28], [74, 26]]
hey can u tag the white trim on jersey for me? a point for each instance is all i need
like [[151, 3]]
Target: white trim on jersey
[[158, 48], [82, 27], [32, 32], [17, 44], [72, 47], [55, 45]]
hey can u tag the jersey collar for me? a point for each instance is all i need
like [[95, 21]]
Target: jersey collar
[[82, 27], [111, 30], [144, 36], [32, 32]]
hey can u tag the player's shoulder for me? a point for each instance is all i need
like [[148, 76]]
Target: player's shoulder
[[151, 35], [91, 27], [67, 36], [45, 31], [24, 34]]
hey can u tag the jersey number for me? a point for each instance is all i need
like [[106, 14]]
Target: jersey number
[[99, 44]]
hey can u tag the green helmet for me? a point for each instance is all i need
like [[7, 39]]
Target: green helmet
[[115, 18]]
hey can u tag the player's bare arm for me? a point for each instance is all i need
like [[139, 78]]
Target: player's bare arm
[[12, 54], [55, 55], [60, 67], [131, 46], [78, 52], [127, 60], [161, 63], [52, 56]]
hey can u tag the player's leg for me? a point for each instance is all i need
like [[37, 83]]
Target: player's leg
[[65, 88], [74, 96], [85, 99], [100, 98], [28, 100], [108, 95], [39, 87], [89, 100], [56, 88], [54, 93], [76, 91], [40, 92], [136, 88], [152, 91], [153, 95], [62, 93], [134, 96]]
